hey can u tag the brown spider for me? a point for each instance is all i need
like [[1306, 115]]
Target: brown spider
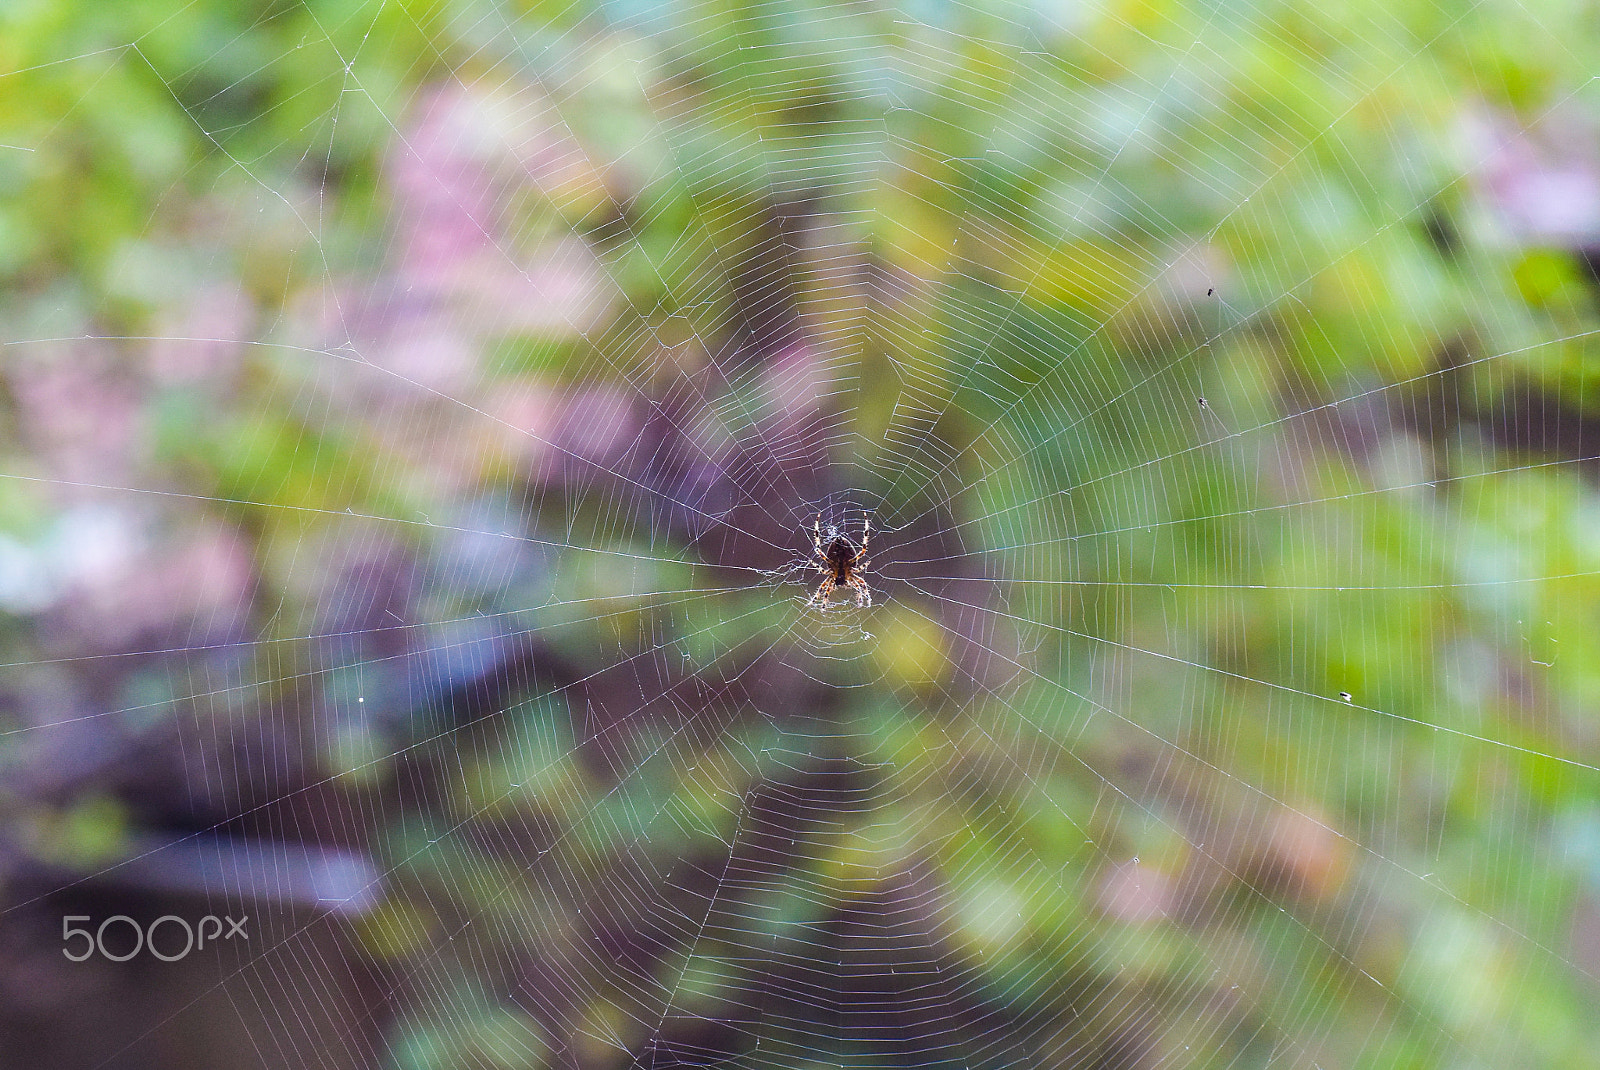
[[842, 563]]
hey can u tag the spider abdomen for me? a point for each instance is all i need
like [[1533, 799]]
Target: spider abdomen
[[841, 555]]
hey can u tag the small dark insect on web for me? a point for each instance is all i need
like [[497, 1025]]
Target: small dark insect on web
[[1206, 408]]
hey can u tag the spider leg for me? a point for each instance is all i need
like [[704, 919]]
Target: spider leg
[[823, 591], [866, 531], [863, 592], [816, 538]]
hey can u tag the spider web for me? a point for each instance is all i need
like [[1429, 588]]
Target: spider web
[[409, 501]]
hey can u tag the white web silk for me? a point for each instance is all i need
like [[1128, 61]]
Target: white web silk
[[1219, 702]]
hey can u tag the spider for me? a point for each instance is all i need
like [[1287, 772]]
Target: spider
[[842, 563]]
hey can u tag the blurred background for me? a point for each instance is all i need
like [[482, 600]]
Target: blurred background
[[418, 416]]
